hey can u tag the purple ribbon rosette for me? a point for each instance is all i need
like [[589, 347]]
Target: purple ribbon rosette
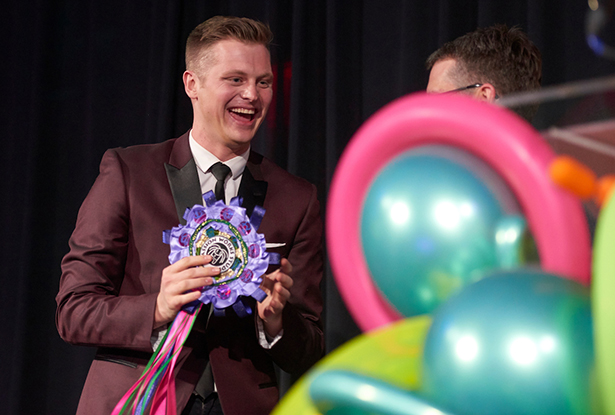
[[227, 234]]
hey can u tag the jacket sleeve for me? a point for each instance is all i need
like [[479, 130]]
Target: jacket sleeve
[[302, 343], [90, 310]]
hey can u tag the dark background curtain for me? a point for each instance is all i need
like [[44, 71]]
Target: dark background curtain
[[79, 77]]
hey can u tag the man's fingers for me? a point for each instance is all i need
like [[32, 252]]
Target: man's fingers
[[278, 301], [172, 275], [193, 284], [177, 302], [191, 261], [278, 298], [285, 266], [281, 293], [199, 272], [282, 278]]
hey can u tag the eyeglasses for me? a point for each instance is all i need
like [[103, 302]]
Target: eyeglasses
[[465, 88]]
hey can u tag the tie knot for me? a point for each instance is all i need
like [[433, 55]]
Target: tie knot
[[220, 171]]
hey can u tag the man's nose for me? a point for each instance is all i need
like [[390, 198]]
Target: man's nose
[[249, 92]]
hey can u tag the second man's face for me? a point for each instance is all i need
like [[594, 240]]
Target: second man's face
[[233, 95]]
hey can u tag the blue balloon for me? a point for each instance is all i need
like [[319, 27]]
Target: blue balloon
[[428, 226], [512, 343]]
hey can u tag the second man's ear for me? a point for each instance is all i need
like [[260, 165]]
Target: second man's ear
[[487, 92]]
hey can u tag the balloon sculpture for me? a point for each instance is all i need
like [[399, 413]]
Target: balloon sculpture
[[467, 267], [512, 343]]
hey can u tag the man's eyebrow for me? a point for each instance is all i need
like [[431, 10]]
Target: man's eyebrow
[[233, 72]]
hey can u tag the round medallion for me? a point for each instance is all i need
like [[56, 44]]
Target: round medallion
[[221, 250]]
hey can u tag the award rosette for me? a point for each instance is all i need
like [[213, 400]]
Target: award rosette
[[227, 234]]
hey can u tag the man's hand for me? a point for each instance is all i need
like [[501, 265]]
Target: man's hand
[[181, 284], [277, 286]]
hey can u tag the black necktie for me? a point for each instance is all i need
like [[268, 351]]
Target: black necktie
[[220, 171]]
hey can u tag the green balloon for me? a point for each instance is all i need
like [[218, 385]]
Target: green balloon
[[603, 304], [391, 354]]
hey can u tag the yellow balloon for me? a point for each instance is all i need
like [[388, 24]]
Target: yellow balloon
[[392, 354]]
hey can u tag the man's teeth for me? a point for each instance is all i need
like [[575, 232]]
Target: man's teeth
[[243, 111]]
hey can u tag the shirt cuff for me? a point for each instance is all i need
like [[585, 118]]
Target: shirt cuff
[[157, 336], [265, 340]]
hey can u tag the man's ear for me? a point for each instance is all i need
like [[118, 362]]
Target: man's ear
[[191, 84], [487, 92]]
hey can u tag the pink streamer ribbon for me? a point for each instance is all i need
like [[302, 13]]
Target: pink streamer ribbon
[[138, 397]]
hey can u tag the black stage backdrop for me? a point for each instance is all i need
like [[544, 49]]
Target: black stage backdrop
[[79, 77]]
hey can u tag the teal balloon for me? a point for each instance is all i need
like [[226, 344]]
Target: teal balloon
[[512, 343], [428, 226], [342, 392], [514, 244]]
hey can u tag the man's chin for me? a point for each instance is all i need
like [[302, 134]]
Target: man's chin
[[240, 144], [243, 135]]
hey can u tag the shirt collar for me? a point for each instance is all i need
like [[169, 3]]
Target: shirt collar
[[204, 159]]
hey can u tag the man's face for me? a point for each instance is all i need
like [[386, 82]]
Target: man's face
[[231, 97], [440, 77]]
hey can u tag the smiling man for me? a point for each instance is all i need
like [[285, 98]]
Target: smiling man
[[487, 64], [117, 290]]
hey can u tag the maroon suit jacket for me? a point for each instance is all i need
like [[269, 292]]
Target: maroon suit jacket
[[111, 277]]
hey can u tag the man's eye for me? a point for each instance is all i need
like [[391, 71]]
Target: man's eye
[[265, 84], [235, 80]]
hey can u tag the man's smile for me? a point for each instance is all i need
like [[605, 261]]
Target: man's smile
[[245, 113]]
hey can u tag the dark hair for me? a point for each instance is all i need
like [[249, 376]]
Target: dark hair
[[220, 28], [504, 57]]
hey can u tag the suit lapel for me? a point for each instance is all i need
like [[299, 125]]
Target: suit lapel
[[183, 178], [252, 188]]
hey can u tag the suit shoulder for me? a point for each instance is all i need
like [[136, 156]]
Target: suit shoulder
[[145, 152], [277, 176]]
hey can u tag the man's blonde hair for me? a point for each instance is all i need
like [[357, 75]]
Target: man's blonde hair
[[218, 28]]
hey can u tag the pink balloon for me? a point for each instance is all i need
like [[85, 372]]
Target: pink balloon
[[507, 143]]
